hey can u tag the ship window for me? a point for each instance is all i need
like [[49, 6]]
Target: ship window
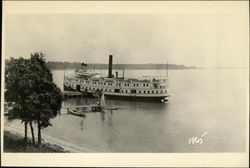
[[161, 91], [105, 90], [134, 84], [152, 91], [128, 84], [148, 91], [110, 90], [156, 91], [144, 91], [143, 84], [122, 91], [139, 91], [147, 84], [126, 91], [125, 84], [133, 91], [111, 84], [137, 84], [117, 90], [119, 84], [104, 83]]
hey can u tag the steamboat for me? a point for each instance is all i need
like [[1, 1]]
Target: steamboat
[[92, 84]]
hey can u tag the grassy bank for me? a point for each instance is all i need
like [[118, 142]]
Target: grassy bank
[[15, 143]]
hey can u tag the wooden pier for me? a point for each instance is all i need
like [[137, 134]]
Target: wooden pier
[[67, 94], [91, 108]]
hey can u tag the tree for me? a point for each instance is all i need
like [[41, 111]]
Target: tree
[[34, 96], [16, 80]]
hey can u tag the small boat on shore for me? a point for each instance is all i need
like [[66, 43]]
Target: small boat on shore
[[77, 113], [82, 110], [110, 108]]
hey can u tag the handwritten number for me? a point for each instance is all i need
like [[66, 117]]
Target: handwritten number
[[196, 140]]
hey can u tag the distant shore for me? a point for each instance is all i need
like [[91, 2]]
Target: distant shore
[[148, 66]]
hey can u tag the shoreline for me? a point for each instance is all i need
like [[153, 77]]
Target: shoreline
[[51, 141], [14, 143]]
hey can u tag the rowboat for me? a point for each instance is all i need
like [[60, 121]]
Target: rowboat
[[77, 113]]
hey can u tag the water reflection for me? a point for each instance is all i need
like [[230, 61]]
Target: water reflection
[[121, 104], [113, 133], [102, 116], [81, 124], [198, 102]]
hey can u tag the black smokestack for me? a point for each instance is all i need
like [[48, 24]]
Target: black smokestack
[[110, 66]]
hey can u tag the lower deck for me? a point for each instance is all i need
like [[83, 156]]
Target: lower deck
[[116, 95]]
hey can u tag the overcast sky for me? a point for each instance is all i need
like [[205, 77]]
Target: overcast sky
[[207, 40]]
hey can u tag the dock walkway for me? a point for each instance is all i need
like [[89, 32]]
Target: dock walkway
[[67, 94]]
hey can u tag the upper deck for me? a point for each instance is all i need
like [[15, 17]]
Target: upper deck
[[95, 77], [90, 83]]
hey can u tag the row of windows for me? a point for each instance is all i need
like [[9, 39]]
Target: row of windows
[[111, 84], [103, 83], [127, 91]]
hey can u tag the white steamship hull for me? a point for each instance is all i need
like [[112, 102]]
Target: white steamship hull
[[91, 84]]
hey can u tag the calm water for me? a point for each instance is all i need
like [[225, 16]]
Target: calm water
[[207, 101]]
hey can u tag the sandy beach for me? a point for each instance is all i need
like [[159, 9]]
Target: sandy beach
[[17, 128]]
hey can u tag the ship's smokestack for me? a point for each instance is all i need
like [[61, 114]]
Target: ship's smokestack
[[110, 66]]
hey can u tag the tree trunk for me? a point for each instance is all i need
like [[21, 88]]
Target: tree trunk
[[32, 133], [39, 132], [25, 132]]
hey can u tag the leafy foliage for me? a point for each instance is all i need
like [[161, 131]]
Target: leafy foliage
[[30, 90]]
